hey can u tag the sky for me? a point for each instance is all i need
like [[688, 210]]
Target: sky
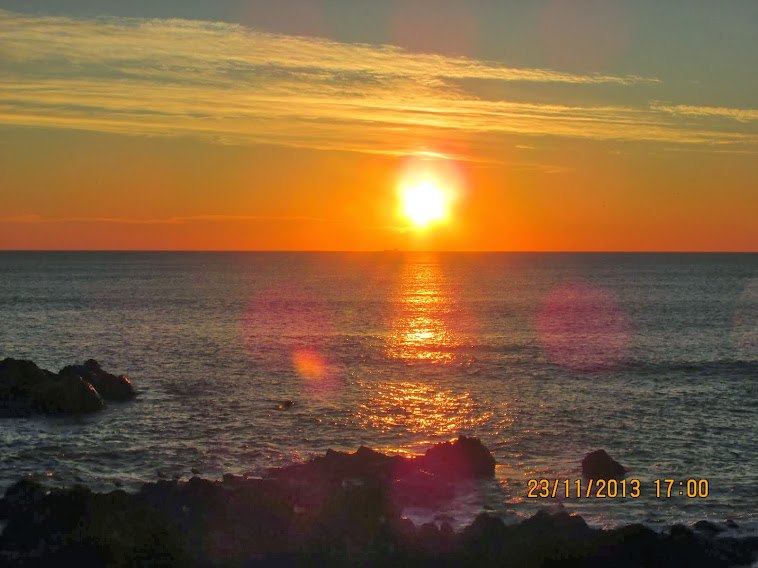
[[587, 125]]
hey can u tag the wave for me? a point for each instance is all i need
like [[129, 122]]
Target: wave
[[718, 367]]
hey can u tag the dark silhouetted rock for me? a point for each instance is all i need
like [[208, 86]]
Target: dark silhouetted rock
[[599, 465], [545, 525], [681, 533], [708, 527], [19, 382], [25, 389], [485, 542], [76, 527], [418, 488], [466, 458], [21, 496], [69, 395], [306, 516], [428, 480], [110, 387]]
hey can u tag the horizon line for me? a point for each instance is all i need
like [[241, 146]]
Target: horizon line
[[393, 251]]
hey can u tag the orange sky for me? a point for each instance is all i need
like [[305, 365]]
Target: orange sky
[[221, 136]]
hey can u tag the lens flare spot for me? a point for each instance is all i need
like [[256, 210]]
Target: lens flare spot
[[582, 327], [309, 364]]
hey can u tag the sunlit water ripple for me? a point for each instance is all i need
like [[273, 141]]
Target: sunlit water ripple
[[544, 357]]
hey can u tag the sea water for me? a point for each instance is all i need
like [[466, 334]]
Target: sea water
[[545, 357]]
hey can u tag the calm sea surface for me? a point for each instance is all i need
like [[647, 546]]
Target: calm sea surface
[[543, 356]]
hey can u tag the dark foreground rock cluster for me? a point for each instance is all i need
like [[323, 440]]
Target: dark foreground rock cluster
[[337, 510], [25, 389], [599, 465]]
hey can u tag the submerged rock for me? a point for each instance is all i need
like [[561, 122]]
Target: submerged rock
[[25, 389], [599, 465]]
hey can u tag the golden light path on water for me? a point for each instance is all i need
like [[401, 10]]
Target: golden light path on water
[[422, 331], [419, 408], [419, 330]]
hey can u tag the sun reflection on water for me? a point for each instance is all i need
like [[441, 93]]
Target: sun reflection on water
[[421, 328], [427, 326], [420, 409]]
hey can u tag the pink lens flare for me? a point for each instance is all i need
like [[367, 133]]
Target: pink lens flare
[[286, 329], [319, 376], [582, 327]]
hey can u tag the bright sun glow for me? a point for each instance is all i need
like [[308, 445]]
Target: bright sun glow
[[425, 203]]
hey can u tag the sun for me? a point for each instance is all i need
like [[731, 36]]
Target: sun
[[425, 203], [429, 189]]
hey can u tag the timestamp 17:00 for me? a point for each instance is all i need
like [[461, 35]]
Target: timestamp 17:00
[[615, 488]]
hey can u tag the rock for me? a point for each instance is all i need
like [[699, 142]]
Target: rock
[[69, 395], [429, 539], [231, 479], [23, 495], [256, 522], [422, 489], [634, 545], [599, 465], [484, 543], [335, 467], [679, 532], [446, 529], [26, 389], [426, 481], [403, 531], [560, 524], [707, 527], [18, 382], [466, 458], [110, 387]]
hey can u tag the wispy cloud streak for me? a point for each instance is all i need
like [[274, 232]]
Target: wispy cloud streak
[[228, 84], [37, 219], [738, 114]]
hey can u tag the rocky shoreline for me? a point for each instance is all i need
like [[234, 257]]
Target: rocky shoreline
[[342, 509]]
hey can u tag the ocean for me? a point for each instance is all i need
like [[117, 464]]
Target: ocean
[[544, 356]]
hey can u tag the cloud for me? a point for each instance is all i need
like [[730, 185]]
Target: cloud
[[738, 114], [34, 219], [228, 84], [228, 52]]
